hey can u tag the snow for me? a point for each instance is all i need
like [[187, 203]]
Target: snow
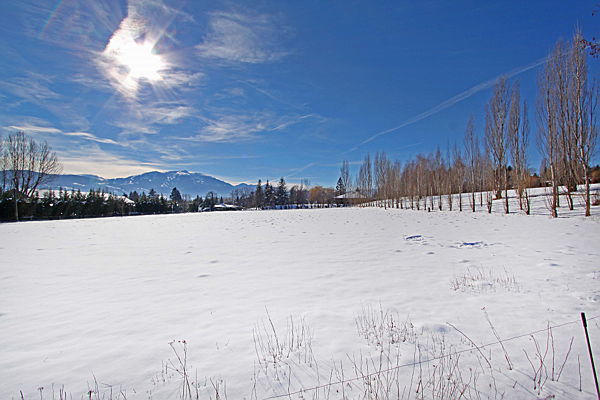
[[102, 299]]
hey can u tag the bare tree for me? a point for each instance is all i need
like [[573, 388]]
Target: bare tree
[[302, 192], [383, 178], [564, 99], [488, 179], [440, 176], [566, 110], [496, 118], [29, 164], [471, 156], [547, 121], [364, 181], [408, 178], [397, 184], [459, 171], [448, 175], [584, 129], [518, 136]]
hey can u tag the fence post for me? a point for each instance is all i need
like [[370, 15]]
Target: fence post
[[587, 338]]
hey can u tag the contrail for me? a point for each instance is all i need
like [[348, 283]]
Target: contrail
[[298, 170], [451, 101], [434, 110]]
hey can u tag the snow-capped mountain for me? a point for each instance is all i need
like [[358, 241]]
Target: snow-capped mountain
[[191, 183]]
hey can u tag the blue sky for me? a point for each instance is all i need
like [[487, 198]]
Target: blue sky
[[244, 90]]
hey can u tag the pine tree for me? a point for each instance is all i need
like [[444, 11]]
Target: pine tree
[[134, 196], [340, 188], [269, 195], [259, 196], [176, 196], [281, 195]]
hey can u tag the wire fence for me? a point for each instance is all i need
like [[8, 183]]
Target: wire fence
[[428, 360]]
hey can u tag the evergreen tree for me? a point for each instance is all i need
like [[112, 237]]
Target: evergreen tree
[[281, 195], [269, 195], [176, 196], [134, 196], [340, 188], [259, 196]]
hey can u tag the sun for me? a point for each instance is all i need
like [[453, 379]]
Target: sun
[[131, 59], [141, 61]]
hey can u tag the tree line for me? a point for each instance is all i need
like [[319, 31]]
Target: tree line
[[61, 203], [497, 161], [269, 196]]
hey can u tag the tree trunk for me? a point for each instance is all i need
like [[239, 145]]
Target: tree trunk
[[587, 195], [554, 204], [16, 201], [506, 209]]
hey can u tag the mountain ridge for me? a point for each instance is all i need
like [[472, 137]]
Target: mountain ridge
[[189, 183]]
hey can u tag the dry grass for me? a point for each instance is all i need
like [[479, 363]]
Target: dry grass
[[484, 279]]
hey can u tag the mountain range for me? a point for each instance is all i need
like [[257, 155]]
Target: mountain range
[[190, 183]]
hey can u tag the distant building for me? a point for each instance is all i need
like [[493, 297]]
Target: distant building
[[352, 197], [224, 207]]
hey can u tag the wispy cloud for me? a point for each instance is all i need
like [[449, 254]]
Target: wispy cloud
[[72, 24], [231, 93], [83, 148], [242, 38], [92, 81], [94, 160], [32, 87], [44, 92], [33, 129], [180, 79], [236, 128], [166, 113], [451, 101], [134, 127], [89, 136], [231, 127], [147, 118]]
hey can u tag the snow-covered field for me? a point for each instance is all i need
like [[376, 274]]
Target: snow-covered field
[[94, 304]]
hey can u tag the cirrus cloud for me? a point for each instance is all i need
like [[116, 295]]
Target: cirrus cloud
[[27, 128], [242, 38]]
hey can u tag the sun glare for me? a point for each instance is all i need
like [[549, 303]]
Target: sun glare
[[141, 61], [130, 58]]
